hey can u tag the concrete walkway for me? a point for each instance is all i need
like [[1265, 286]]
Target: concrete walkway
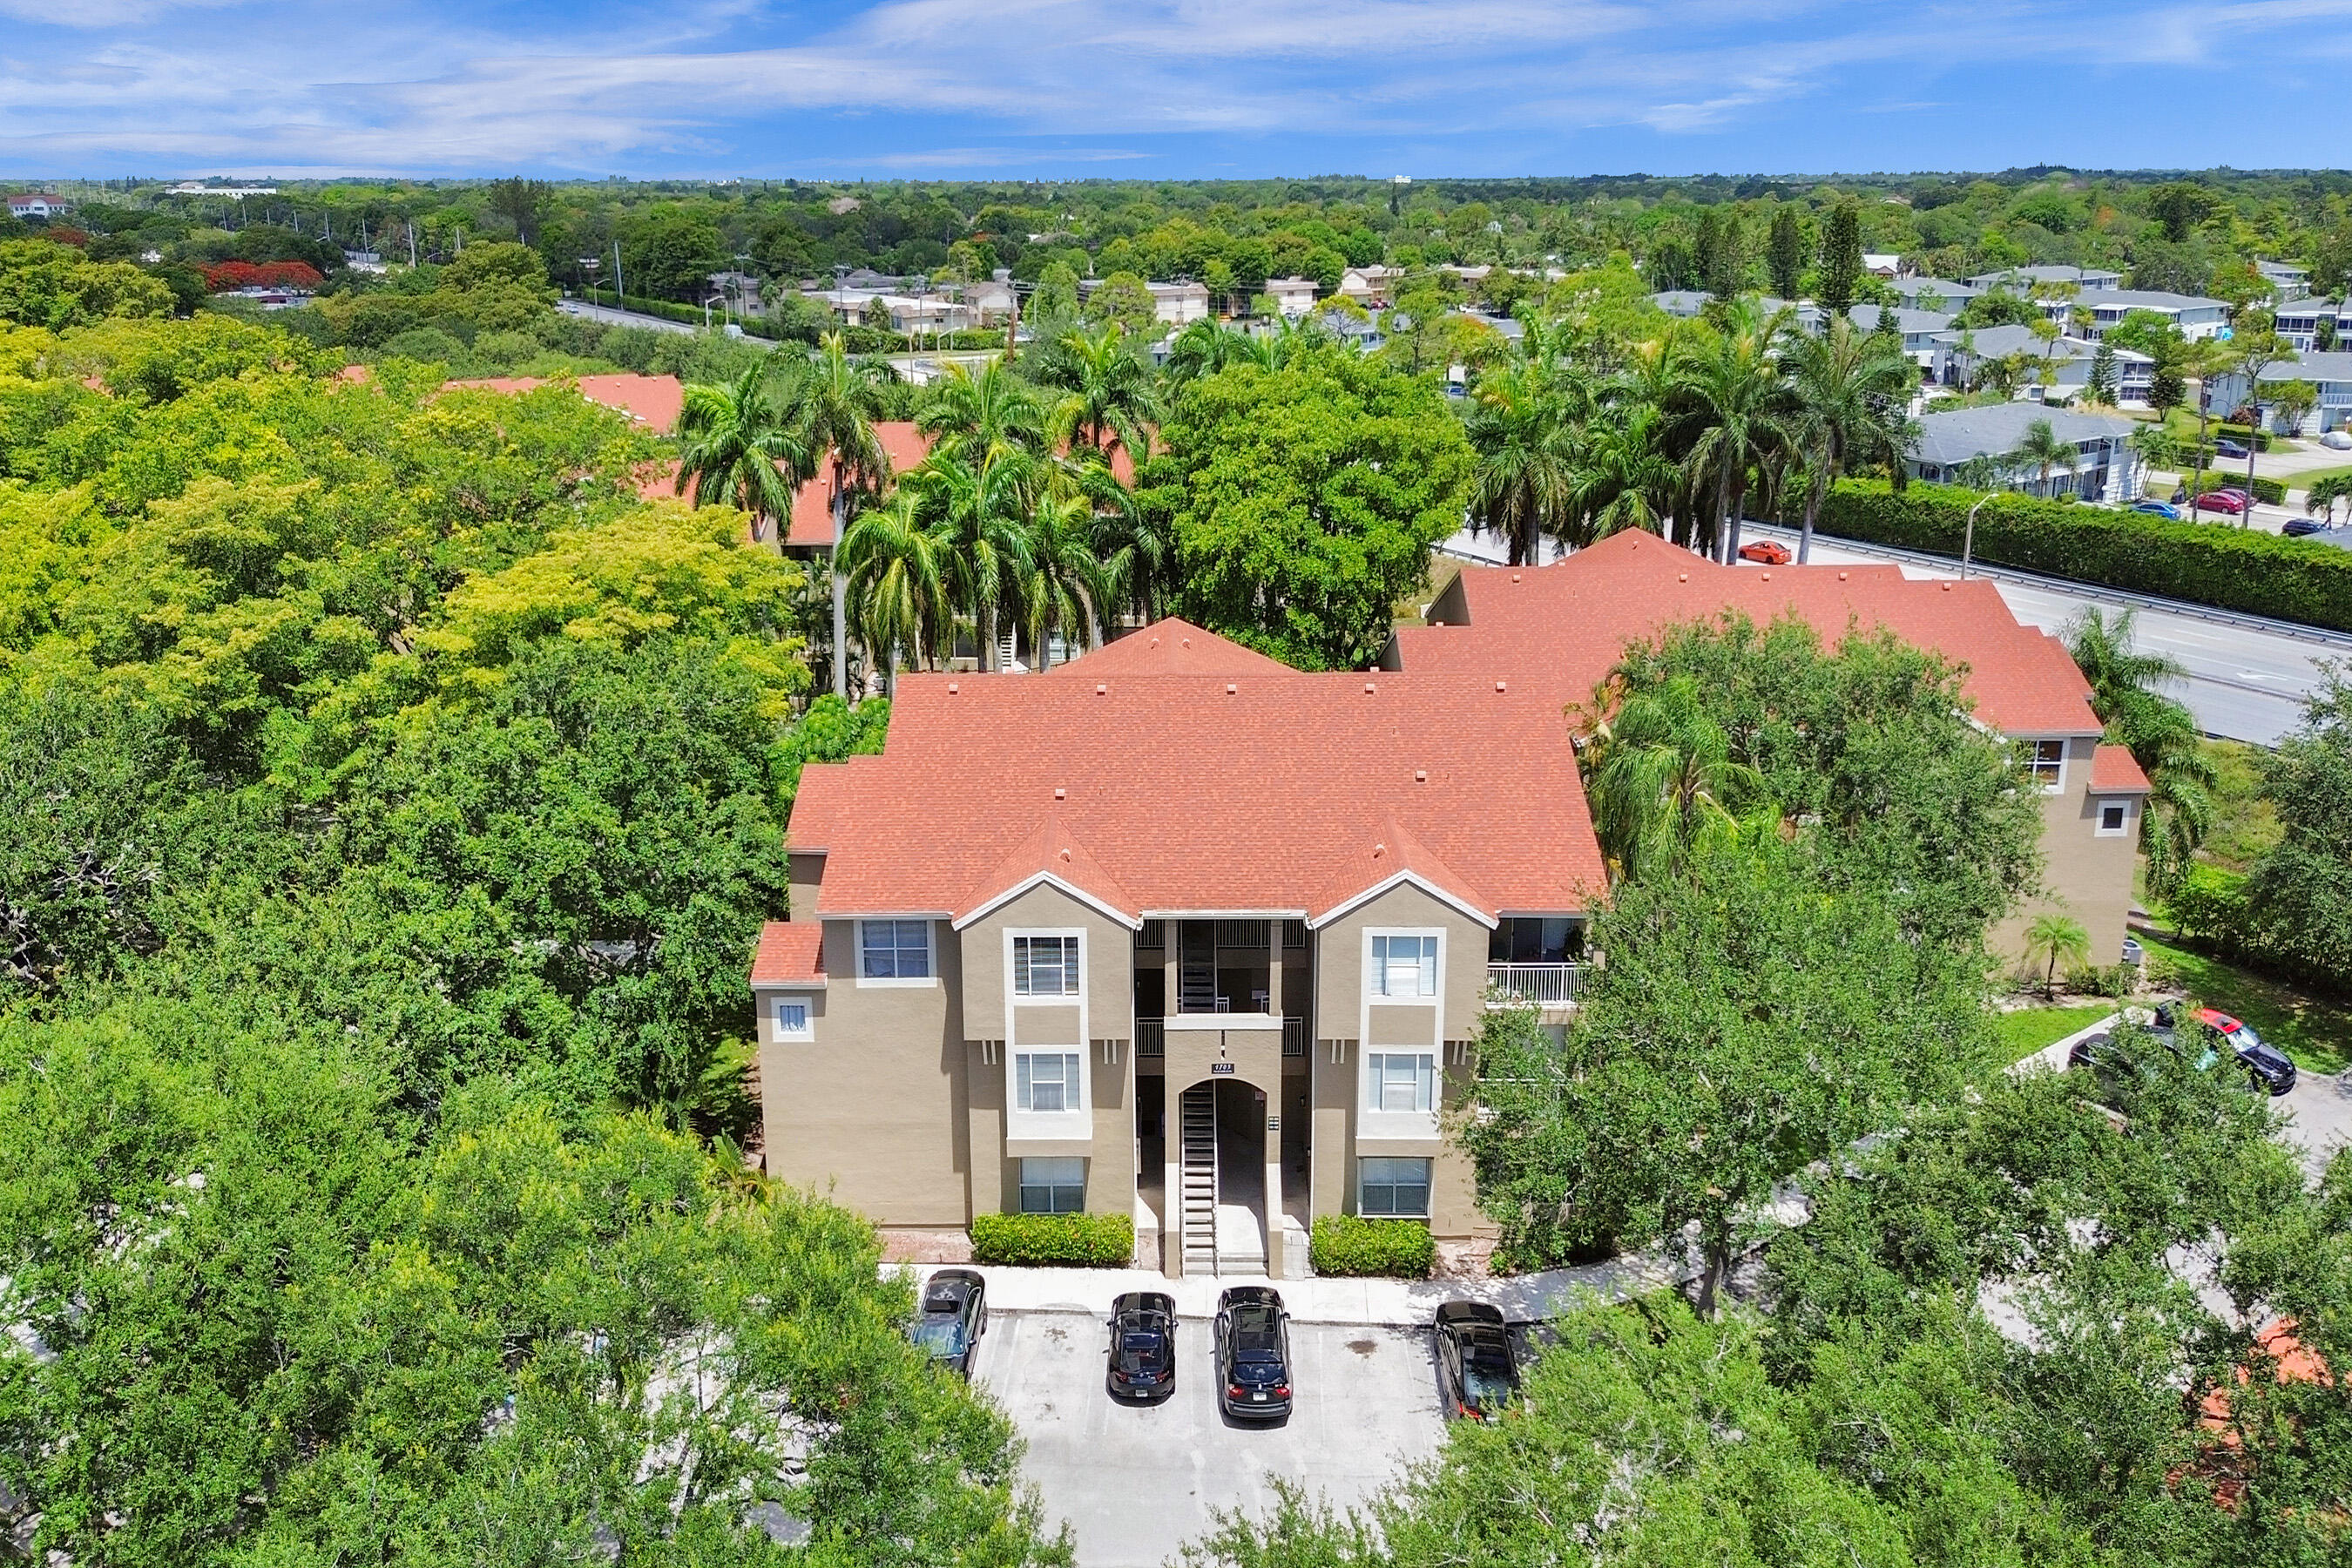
[[1386, 1303]]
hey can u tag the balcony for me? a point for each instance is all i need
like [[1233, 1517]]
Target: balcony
[[1545, 984], [1150, 1036]]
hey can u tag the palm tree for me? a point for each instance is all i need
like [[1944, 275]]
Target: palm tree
[[976, 501], [835, 401], [1736, 408], [2126, 693], [1209, 345], [1106, 389], [1137, 548], [1063, 588], [1624, 477], [897, 593], [742, 450], [984, 410], [1524, 483], [1660, 776], [1852, 388], [2058, 940], [2043, 450]]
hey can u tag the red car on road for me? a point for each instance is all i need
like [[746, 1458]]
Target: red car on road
[[1770, 552], [2230, 502]]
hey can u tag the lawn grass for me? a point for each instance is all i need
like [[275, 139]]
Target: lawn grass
[[2303, 480], [2316, 1032], [2028, 1029], [2245, 824]]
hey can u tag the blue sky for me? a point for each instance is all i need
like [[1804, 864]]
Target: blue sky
[[1168, 88]]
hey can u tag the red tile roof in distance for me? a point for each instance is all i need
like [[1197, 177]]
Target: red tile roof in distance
[[905, 446], [1242, 787], [656, 400], [1567, 623], [2115, 771], [789, 954]]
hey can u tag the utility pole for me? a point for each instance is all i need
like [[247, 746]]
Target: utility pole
[[620, 286]]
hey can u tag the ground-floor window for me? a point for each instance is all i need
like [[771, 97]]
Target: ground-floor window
[[1392, 1188], [1402, 1080], [1053, 1186], [1047, 1081]]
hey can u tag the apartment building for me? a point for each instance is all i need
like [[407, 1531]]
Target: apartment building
[[1175, 931], [2018, 279]]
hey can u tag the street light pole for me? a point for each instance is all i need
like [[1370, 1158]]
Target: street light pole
[[1968, 542]]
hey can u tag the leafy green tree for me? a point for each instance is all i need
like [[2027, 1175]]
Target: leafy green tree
[[2126, 692], [671, 253], [1662, 783], [1304, 501], [2300, 891], [1122, 299], [1784, 251], [44, 284]]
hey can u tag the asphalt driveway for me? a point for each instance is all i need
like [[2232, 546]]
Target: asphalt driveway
[[2318, 1111], [1138, 1481]]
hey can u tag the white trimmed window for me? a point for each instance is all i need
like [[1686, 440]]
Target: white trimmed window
[[1053, 1186], [793, 1019], [2046, 760], [894, 950], [1045, 966], [1404, 967], [1401, 1080], [1046, 1081], [1392, 1189], [2115, 818]]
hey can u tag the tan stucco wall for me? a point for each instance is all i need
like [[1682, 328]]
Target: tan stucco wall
[[805, 871], [867, 1110], [2084, 877]]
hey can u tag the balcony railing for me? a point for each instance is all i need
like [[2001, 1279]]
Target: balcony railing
[[1151, 1037], [1550, 985], [1293, 1036]]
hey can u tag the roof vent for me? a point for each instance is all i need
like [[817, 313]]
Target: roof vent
[[951, 688], [1681, 576], [1060, 793], [1379, 850], [1499, 686], [1231, 688], [1948, 587], [1421, 775], [1367, 686], [1100, 689], [1768, 576], [1841, 576], [1188, 642], [1065, 854], [1437, 623], [1155, 642], [1515, 576]]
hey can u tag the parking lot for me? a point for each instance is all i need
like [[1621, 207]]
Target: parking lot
[[1138, 1481]]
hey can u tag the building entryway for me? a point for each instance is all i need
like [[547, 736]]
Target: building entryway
[[1218, 1151]]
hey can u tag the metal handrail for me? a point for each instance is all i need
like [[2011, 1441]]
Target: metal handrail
[[1553, 984]]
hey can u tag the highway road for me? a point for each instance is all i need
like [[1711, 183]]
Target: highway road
[[612, 317], [2247, 677]]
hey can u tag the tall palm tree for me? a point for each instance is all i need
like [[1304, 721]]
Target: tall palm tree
[[1735, 408], [976, 501], [1106, 391], [1624, 476], [897, 593], [835, 401], [2043, 450], [742, 450], [1137, 547], [1660, 776], [2127, 694], [1851, 391], [1064, 589], [994, 408], [1209, 345], [1523, 484]]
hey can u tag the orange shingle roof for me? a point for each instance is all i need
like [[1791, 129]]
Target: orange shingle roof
[[1567, 623], [790, 953], [2115, 771], [1172, 646], [657, 400], [1242, 789]]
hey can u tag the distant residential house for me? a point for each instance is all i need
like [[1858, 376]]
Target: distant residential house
[[2298, 322], [2329, 373], [2018, 279], [1172, 304], [1684, 302], [1950, 296], [2196, 316], [2287, 282], [1370, 286], [993, 303], [35, 204], [1921, 330], [740, 290], [907, 313], [1960, 357], [2104, 467], [1882, 264], [1293, 296]]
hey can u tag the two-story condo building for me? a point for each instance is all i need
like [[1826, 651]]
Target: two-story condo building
[[1179, 932]]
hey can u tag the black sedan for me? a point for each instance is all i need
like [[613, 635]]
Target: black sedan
[[1253, 1354], [1143, 1346], [1474, 1351], [950, 1318]]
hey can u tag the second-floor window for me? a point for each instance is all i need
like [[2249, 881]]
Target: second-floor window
[[1402, 1080], [1404, 967], [1047, 1081], [2046, 760], [895, 950], [1045, 966]]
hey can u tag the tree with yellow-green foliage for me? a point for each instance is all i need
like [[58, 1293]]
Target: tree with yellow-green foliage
[[43, 284]]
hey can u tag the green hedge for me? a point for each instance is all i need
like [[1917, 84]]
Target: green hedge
[[1072, 1241], [2267, 490], [2229, 568], [1343, 1244]]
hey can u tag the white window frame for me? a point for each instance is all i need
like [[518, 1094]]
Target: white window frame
[[1364, 1182], [2106, 804], [1013, 939], [1425, 1081], [806, 1030], [930, 954], [1045, 1173], [1072, 1080], [2033, 764], [1376, 967]]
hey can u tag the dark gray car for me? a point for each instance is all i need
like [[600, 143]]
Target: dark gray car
[[949, 1317], [1253, 1354]]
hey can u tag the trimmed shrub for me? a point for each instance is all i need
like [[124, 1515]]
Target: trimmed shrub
[[1064, 1240], [2209, 907], [1345, 1244], [2229, 568]]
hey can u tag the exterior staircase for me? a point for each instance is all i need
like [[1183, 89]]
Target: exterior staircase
[[1197, 1127], [1196, 975]]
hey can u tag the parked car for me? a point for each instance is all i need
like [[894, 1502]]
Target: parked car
[[2229, 501], [2272, 1067], [1253, 1339], [2338, 440], [1474, 1351], [1143, 1346], [1768, 552], [2165, 510], [2297, 527], [950, 1318], [2230, 449]]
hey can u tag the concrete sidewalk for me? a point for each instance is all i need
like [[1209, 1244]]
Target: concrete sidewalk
[[1385, 1304]]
